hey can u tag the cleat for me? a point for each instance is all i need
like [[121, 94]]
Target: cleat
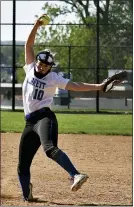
[[79, 180], [30, 196]]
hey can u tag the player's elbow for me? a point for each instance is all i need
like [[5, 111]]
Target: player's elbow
[[72, 86]]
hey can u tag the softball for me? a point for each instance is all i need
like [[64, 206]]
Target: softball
[[45, 20]]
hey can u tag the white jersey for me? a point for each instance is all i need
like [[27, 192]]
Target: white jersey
[[38, 93]]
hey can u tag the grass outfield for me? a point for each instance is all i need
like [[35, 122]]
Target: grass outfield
[[106, 124]]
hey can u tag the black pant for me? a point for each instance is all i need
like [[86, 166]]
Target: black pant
[[42, 129]]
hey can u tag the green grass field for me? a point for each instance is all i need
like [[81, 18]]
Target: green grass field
[[106, 124]]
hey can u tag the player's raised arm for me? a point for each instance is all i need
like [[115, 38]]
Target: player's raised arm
[[29, 51]]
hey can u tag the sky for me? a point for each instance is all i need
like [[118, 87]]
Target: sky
[[25, 13]]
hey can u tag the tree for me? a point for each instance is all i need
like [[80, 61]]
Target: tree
[[115, 36], [6, 52]]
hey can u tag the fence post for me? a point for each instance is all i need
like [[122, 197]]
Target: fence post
[[14, 55], [69, 67], [97, 57]]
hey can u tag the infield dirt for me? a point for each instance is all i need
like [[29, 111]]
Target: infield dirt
[[106, 159]]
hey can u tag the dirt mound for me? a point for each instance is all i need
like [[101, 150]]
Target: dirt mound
[[106, 159]]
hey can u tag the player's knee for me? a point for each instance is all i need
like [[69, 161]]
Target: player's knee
[[21, 170], [52, 152]]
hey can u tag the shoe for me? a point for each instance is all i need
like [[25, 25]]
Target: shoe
[[30, 196], [78, 181]]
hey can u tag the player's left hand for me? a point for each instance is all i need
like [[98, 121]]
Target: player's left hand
[[110, 82]]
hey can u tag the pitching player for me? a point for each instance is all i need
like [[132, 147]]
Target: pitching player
[[41, 124]]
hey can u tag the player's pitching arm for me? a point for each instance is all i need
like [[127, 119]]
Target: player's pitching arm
[[29, 51], [80, 86]]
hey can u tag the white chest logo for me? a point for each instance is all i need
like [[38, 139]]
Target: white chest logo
[[35, 82]]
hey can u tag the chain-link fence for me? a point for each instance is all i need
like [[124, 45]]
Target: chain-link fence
[[87, 51]]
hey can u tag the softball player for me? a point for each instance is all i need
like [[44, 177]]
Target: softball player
[[41, 124]]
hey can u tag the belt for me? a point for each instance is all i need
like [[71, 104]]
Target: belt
[[36, 114]]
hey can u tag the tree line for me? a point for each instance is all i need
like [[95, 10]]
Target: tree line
[[115, 36]]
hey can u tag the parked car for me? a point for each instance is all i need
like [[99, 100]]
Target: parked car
[[6, 74], [61, 96]]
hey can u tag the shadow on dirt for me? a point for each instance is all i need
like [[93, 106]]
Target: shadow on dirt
[[62, 204], [49, 203], [37, 200], [8, 197]]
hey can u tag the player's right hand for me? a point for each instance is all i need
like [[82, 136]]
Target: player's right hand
[[45, 19], [39, 22]]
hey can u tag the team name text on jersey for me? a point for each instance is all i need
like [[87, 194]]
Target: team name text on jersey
[[37, 83]]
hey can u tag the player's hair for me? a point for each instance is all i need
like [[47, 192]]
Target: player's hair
[[46, 56]]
